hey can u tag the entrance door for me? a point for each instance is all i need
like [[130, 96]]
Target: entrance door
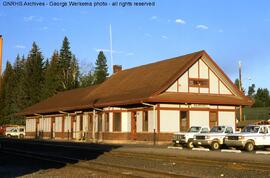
[[133, 126], [213, 120], [183, 121]]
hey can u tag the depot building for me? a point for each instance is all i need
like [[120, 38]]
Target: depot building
[[144, 103]]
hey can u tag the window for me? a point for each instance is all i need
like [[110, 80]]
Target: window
[[107, 121], [116, 122], [183, 121], [203, 83], [229, 130], [99, 122], [145, 121], [213, 120]]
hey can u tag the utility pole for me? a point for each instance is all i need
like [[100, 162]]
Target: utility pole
[[111, 47], [240, 88]]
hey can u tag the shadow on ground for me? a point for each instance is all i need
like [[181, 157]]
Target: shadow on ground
[[12, 165]]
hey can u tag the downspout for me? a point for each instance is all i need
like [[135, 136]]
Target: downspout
[[155, 120]]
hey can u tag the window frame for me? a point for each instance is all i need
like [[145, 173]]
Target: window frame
[[143, 122], [198, 80], [120, 120]]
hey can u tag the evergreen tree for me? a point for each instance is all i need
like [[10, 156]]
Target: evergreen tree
[[236, 82], [251, 90], [34, 76], [51, 83], [7, 105], [68, 67], [19, 91], [74, 72], [262, 98], [101, 69]]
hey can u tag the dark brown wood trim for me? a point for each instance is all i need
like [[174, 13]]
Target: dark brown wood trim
[[158, 118], [63, 125], [196, 109]]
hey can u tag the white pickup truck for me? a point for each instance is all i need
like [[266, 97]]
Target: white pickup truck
[[250, 137], [186, 138], [214, 139]]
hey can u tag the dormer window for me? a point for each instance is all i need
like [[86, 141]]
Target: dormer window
[[202, 83]]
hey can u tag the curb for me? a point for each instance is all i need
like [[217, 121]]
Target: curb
[[176, 148], [231, 151], [200, 149], [263, 152]]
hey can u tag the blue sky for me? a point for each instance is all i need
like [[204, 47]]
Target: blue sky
[[228, 30]]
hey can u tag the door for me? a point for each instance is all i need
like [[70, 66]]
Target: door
[[183, 121], [133, 126], [213, 120]]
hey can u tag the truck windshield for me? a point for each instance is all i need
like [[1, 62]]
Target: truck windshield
[[251, 129], [217, 129], [194, 129]]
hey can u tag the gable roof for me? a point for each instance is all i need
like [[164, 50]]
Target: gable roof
[[131, 86]]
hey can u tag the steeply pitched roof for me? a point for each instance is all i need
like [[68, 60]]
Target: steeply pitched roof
[[131, 86]]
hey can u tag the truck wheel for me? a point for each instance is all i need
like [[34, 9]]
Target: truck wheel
[[190, 144], [21, 136], [249, 146], [8, 135], [215, 145]]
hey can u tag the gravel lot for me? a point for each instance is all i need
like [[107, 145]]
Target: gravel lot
[[160, 158]]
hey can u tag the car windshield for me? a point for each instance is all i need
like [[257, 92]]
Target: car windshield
[[204, 130], [217, 129], [194, 129], [251, 129]]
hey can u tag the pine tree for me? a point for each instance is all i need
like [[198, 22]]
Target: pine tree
[[101, 69], [74, 73], [64, 64], [19, 91], [7, 105], [51, 83], [34, 76]]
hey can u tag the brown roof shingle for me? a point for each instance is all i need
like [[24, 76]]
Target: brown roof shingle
[[62, 101], [131, 86]]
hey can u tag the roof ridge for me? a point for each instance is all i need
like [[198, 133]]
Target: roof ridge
[[161, 61]]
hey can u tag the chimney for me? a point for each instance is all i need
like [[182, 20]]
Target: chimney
[[117, 68], [1, 46]]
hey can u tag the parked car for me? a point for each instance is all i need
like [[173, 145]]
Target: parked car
[[214, 139], [18, 132], [186, 138], [2, 130], [251, 136]]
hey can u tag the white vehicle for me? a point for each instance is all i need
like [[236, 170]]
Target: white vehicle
[[214, 139], [15, 132], [186, 138], [250, 137]]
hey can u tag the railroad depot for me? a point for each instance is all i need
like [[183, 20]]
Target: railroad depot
[[144, 103]]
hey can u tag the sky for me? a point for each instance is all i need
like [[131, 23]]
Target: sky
[[230, 31]]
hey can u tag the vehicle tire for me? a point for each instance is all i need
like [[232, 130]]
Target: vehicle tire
[[190, 144], [215, 145], [249, 147], [8, 135], [21, 136]]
